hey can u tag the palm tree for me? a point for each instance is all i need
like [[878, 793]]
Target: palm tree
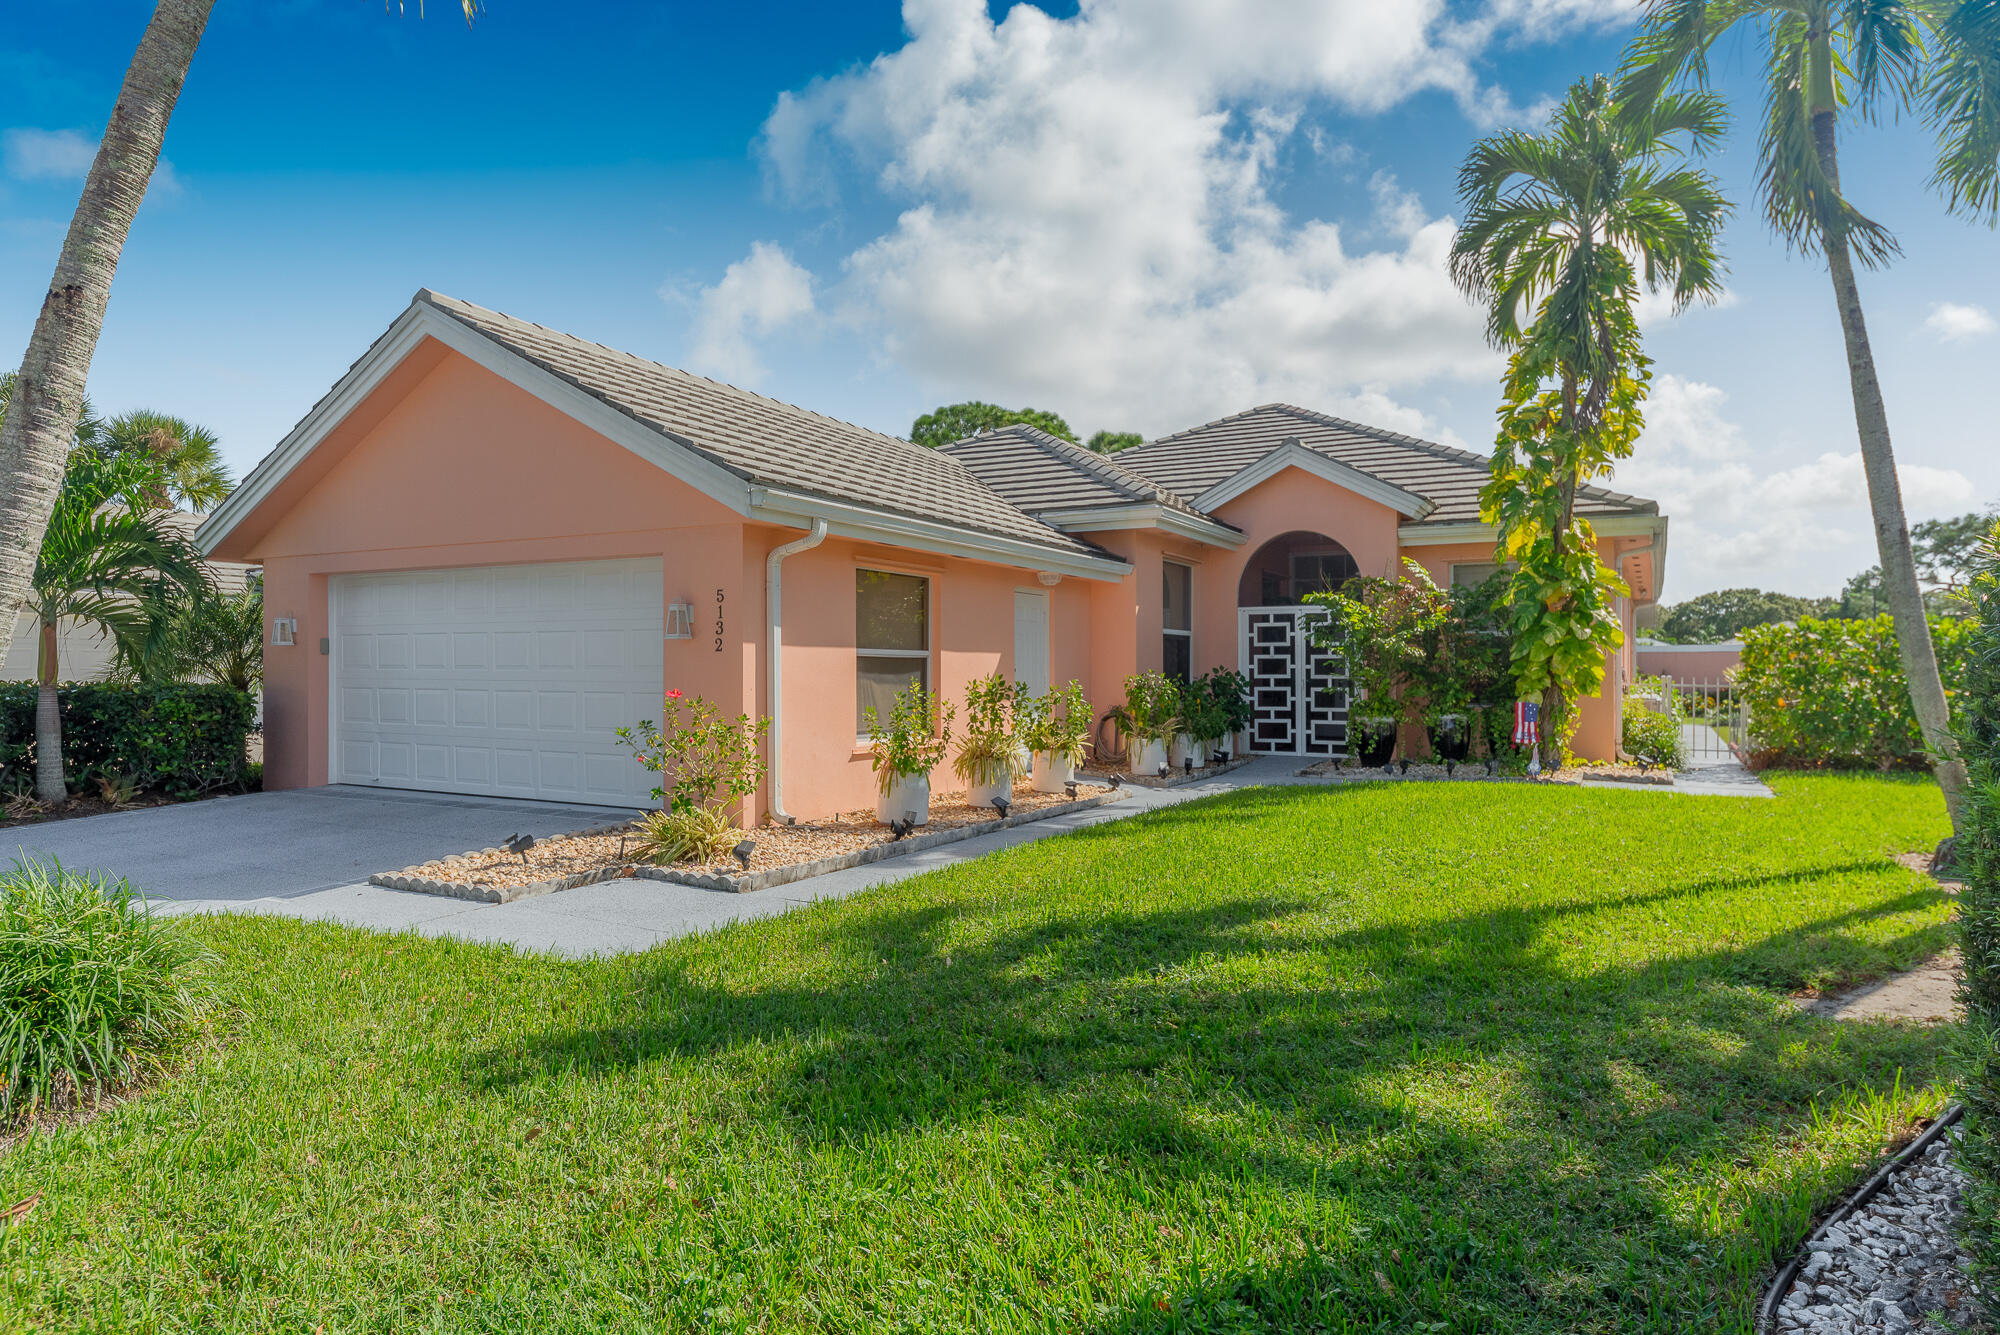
[[1561, 229], [208, 636], [1825, 60], [48, 398], [189, 455], [108, 560]]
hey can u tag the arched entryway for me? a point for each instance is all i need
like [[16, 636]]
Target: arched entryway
[[1298, 690]]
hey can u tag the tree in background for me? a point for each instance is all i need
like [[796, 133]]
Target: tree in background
[[47, 398], [203, 635], [1554, 225], [1945, 551], [1711, 618], [956, 421], [107, 559], [1110, 442], [190, 457], [1825, 59]]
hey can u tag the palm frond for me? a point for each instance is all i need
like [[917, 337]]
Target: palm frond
[[1961, 102]]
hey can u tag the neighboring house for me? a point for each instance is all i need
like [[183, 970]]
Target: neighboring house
[[497, 543], [1689, 662], [84, 650]]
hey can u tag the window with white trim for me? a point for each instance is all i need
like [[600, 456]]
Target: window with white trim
[[892, 639], [1472, 574], [1177, 621]]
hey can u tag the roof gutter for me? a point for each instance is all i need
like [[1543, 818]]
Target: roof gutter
[[774, 639]]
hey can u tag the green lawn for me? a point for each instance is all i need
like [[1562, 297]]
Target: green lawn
[[1486, 1057]]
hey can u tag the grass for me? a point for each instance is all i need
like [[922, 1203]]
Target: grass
[[1389, 1057], [95, 993]]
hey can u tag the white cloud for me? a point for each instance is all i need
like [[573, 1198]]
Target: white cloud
[[1088, 203], [47, 155], [759, 294], [1739, 521], [1955, 323], [65, 155]]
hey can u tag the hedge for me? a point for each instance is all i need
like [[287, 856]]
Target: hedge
[[182, 740], [1833, 693], [1977, 853]]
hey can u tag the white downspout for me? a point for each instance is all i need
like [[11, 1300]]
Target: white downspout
[[774, 647]]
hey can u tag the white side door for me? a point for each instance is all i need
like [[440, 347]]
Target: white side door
[[1031, 640]]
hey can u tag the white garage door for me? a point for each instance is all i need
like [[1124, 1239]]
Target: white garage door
[[507, 681]]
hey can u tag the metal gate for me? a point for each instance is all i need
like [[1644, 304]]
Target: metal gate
[[1298, 691], [1714, 724]]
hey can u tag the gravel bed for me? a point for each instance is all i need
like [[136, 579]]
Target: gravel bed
[[1893, 1264], [776, 845]]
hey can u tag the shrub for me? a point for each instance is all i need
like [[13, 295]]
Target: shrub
[[1649, 732], [991, 751], [95, 992], [914, 738], [685, 834], [1833, 692], [1977, 854], [183, 739], [1230, 690], [702, 758]]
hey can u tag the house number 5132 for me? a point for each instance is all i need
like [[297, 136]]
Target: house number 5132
[[718, 621]]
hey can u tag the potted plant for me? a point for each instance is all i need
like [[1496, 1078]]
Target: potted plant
[[906, 748], [1056, 727], [1152, 705], [989, 759], [1185, 746], [1229, 690], [1372, 738]]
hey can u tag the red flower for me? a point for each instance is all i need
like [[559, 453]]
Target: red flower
[[673, 695]]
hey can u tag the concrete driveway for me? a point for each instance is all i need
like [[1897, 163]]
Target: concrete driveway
[[281, 845]]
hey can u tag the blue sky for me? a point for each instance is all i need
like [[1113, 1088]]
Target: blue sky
[[1141, 214]]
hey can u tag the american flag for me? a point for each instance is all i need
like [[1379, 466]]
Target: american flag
[[1527, 722]]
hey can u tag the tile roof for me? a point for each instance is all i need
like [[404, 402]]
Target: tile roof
[[1192, 461], [1045, 474], [765, 441]]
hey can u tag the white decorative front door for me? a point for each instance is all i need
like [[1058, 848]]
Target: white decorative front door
[[1298, 691], [1031, 640]]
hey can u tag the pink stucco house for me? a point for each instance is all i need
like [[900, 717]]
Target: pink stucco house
[[491, 544]]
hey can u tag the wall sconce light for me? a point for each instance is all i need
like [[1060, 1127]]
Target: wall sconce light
[[680, 621], [1048, 578], [284, 630]]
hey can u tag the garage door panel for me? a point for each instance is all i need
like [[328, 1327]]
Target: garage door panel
[[510, 681]]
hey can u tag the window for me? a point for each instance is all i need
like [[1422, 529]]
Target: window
[[892, 639], [1177, 649], [1472, 574]]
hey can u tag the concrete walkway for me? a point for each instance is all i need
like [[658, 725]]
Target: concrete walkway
[[612, 917]]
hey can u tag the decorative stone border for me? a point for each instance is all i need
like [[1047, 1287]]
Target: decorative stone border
[[507, 894], [1774, 1297], [799, 871], [1174, 779]]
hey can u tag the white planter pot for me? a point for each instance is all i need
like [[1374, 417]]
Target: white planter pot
[[1186, 749], [1049, 773], [1147, 757], [982, 794], [907, 794]]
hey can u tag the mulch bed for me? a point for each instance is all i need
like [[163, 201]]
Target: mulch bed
[[777, 846], [86, 806]]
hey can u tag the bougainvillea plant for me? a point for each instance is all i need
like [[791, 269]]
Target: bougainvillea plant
[[704, 759]]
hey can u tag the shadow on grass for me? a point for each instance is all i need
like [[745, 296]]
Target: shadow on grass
[[1506, 1122]]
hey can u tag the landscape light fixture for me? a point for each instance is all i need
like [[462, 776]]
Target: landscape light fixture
[[900, 829], [1163, 770], [1000, 804], [1116, 781], [1493, 765], [1069, 787], [742, 853], [1187, 766], [519, 844]]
